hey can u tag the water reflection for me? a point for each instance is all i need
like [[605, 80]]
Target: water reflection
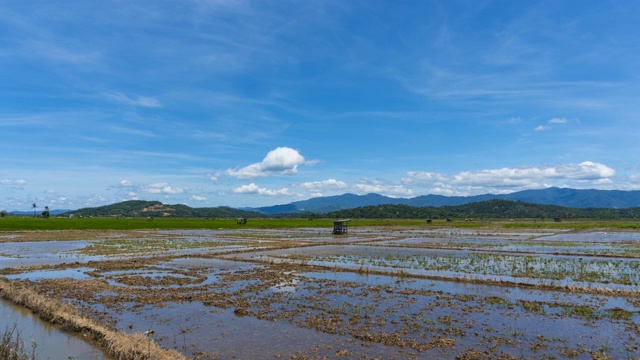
[[49, 341]]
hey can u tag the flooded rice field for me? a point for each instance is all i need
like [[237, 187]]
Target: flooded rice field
[[374, 293], [43, 340]]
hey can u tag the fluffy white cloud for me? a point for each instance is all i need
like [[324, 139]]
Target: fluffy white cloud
[[317, 186], [160, 188], [125, 183], [512, 179], [280, 161], [256, 190], [12, 182], [198, 198], [587, 170], [382, 187]]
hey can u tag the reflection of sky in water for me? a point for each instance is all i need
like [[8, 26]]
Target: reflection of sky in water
[[225, 335], [76, 274], [52, 343], [40, 248], [600, 236], [157, 275], [198, 263], [534, 269], [33, 253]]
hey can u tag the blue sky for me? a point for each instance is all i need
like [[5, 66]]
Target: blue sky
[[253, 103]]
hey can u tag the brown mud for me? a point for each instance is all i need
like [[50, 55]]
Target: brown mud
[[279, 295]]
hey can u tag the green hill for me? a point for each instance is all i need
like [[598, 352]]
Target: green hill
[[495, 208], [140, 208]]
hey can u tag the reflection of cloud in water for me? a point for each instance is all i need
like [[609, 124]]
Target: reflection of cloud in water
[[286, 286]]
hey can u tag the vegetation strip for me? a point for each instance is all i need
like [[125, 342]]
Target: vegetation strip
[[119, 345]]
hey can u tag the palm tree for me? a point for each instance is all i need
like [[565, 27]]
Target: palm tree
[[34, 206]]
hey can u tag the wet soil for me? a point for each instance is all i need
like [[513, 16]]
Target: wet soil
[[372, 294]]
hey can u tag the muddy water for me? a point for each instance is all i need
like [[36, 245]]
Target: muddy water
[[276, 303], [49, 341]]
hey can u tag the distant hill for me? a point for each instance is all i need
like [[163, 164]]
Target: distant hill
[[328, 203], [140, 208], [494, 208], [333, 205], [550, 196]]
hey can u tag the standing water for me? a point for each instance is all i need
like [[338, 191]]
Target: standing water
[[49, 341]]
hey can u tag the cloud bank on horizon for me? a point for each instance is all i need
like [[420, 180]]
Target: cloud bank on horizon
[[253, 103]]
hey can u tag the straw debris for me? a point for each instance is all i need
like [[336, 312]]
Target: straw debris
[[119, 345]]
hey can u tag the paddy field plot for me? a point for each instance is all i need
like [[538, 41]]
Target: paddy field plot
[[374, 293]]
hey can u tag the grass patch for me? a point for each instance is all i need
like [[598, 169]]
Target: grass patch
[[16, 223], [582, 311]]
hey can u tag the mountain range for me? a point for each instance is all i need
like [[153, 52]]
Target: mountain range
[[562, 197], [573, 198]]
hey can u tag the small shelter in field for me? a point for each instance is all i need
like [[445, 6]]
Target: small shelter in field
[[241, 221], [340, 227]]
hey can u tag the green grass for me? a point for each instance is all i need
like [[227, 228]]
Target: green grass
[[18, 223]]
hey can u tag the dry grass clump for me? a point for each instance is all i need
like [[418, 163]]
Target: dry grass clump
[[13, 347], [119, 345]]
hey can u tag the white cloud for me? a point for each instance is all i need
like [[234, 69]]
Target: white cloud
[[558, 121], [143, 101], [12, 182], [125, 183], [317, 186], [160, 188], [551, 121], [198, 198], [512, 179], [280, 161], [256, 190], [587, 170], [382, 187], [426, 176]]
